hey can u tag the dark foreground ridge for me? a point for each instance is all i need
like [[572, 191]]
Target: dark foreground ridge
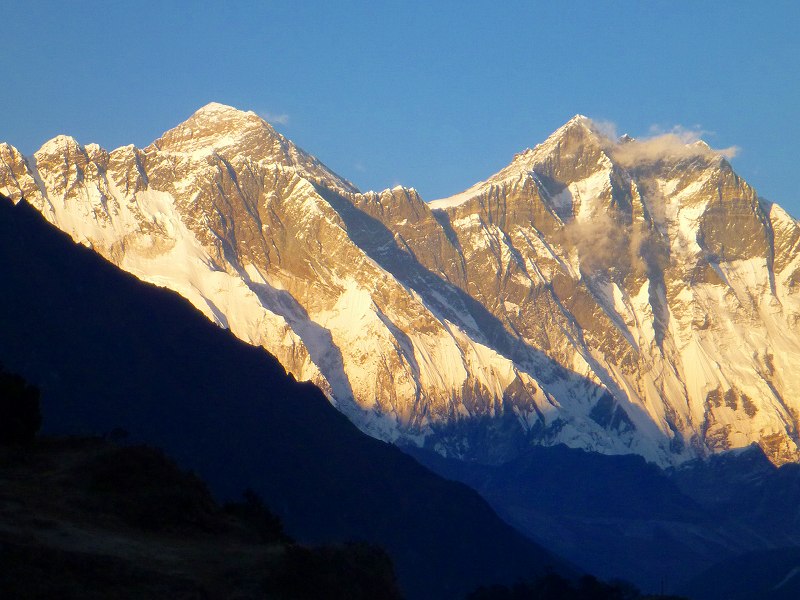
[[83, 518], [555, 587], [108, 351]]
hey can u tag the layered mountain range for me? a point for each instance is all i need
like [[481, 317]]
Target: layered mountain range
[[118, 357], [615, 295]]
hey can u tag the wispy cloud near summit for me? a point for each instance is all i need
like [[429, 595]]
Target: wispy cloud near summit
[[677, 143], [274, 118]]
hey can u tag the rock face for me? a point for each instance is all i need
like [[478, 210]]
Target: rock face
[[613, 295]]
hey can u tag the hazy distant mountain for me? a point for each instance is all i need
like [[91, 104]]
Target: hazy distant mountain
[[618, 516], [613, 295], [766, 575], [109, 351]]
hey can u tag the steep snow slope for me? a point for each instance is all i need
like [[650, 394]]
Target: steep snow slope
[[594, 292]]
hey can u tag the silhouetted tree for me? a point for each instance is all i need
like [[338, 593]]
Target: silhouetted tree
[[261, 521], [20, 418]]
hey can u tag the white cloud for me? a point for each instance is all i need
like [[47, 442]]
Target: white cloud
[[274, 118], [677, 143], [606, 128], [603, 242]]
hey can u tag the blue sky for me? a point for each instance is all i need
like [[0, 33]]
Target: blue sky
[[435, 95]]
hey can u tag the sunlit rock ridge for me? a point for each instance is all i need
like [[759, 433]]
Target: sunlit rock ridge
[[613, 295]]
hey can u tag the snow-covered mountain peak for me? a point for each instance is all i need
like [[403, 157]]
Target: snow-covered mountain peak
[[579, 140], [215, 113], [58, 145], [581, 122], [216, 108], [215, 127], [579, 127], [575, 151], [9, 153], [235, 136]]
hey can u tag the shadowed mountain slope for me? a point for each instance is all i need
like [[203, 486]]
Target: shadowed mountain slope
[[108, 351], [765, 575], [621, 517]]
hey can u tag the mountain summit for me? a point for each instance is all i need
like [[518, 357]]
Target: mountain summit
[[616, 295], [229, 132]]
